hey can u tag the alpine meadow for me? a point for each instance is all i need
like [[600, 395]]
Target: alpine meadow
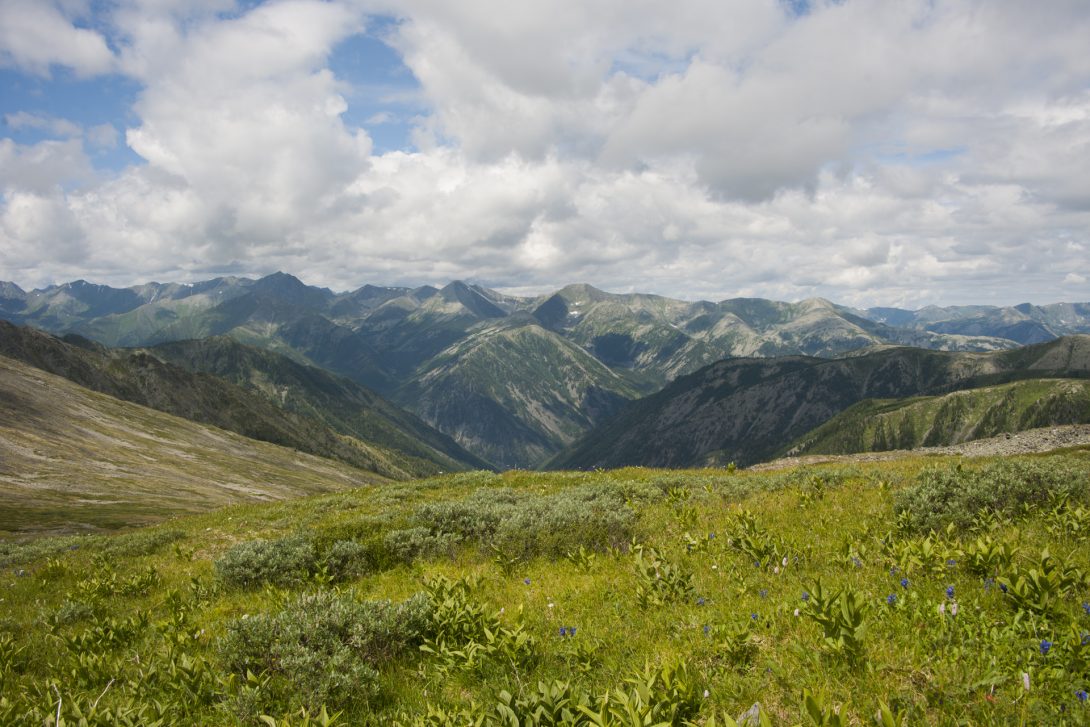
[[722, 363]]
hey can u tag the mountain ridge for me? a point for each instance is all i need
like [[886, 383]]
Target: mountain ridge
[[399, 341]]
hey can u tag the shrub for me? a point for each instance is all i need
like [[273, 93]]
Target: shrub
[[411, 543], [256, 562], [347, 559], [524, 525], [944, 495], [325, 646]]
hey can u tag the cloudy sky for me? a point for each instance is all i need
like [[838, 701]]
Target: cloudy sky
[[872, 152]]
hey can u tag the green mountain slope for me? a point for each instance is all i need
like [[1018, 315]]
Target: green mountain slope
[[516, 393], [141, 378], [882, 424], [745, 410], [343, 405], [75, 459]]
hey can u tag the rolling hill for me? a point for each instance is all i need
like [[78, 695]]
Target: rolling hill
[[876, 425]]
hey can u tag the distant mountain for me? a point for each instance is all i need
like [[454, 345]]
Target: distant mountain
[[72, 459], [411, 344], [142, 378], [876, 425], [516, 393], [746, 410], [341, 404], [1024, 324]]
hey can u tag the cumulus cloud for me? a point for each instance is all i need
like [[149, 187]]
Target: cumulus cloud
[[38, 34], [866, 151]]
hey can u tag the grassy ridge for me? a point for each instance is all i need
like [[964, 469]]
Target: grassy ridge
[[447, 605], [961, 416]]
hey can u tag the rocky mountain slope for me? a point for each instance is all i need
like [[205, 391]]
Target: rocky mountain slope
[[76, 459], [745, 410], [142, 378], [401, 341]]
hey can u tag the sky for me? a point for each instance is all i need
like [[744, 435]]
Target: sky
[[870, 152]]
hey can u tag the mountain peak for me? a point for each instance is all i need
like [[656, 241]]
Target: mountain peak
[[582, 293], [11, 291], [472, 299]]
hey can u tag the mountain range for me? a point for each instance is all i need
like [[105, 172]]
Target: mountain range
[[514, 380], [745, 410]]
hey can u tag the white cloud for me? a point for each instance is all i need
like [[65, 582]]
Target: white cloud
[[870, 152], [42, 167], [50, 124], [36, 34]]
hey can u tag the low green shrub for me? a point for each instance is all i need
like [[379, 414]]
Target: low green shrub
[[280, 562], [944, 495], [419, 542], [524, 525], [324, 647]]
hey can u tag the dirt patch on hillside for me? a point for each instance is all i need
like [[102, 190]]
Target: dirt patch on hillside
[[1044, 439]]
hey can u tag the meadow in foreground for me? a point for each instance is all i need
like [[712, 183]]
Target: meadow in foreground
[[919, 591]]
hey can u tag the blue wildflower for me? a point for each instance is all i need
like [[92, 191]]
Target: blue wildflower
[[571, 631], [1086, 607], [700, 601], [988, 583], [856, 562], [526, 581], [891, 599], [805, 596], [893, 570], [1081, 695], [711, 536], [753, 616], [1085, 637], [904, 583], [756, 564], [563, 631], [949, 591], [1003, 587], [707, 629], [1045, 646], [764, 593], [951, 563]]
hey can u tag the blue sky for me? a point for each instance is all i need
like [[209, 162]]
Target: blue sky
[[865, 151]]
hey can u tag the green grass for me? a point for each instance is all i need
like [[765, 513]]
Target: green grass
[[141, 621]]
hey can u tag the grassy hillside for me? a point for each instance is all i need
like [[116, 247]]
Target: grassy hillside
[[962, 416], [73, 459], [611, 598]]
